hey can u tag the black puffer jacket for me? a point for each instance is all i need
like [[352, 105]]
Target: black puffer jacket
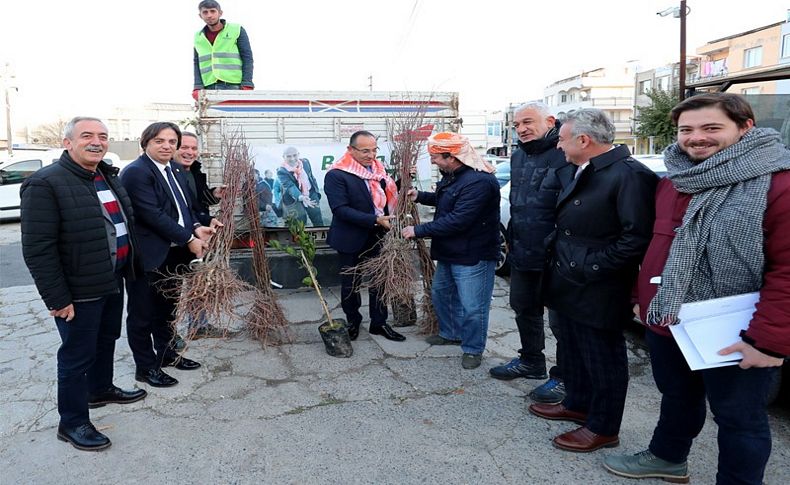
[[64, 237], [534, 188]]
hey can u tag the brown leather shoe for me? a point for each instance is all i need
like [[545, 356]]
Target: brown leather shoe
[[557, 412], [583, 440]]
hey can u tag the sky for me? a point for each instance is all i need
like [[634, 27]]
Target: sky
[[88, 56]]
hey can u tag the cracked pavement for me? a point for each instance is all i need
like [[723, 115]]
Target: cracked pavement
[[392, 413]]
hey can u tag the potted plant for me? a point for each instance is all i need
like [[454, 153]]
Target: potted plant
[[334, 331]]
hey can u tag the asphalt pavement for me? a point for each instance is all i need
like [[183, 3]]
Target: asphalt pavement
[[398, 413]]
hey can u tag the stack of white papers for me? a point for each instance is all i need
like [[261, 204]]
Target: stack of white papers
[[708, 326]]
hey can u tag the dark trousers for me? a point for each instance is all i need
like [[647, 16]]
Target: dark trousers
[[527, 303], [86, 354], [596, 374], [350, 299], [738, 400], [151, 311]]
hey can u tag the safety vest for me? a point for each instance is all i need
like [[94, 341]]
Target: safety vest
[[220, 61]]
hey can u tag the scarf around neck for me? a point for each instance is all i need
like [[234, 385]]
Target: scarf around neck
[[301, 177], [718, 249], [380, 196]]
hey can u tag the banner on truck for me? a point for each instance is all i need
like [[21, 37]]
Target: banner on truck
[[279, 192]]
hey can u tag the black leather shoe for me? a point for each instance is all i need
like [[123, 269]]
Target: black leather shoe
[[155, 377], [387, 332], [182, 363], [84, 437], [115, 395], [353, 331]]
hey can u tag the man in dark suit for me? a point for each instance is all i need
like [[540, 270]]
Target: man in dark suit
[[170, 236], [605, 214], [361, 196], [301, 196]]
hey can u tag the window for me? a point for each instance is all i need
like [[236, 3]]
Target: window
[[753, 57], [645, 86], [786, 45], [16, 173], [494, 128], [753, 90], [663, 83], [563, 98]]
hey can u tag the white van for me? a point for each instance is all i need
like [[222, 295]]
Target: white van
[[22, 164]]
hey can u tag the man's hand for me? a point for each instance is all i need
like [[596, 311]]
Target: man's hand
[[204, 233], [407, 232], [195, 94], [412, 194], [66, 313], [197, 247], [219, 192], [751, 356], [384, 221], [215, 224]]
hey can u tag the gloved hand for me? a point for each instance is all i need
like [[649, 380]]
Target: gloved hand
[[247, 88], [195, 93]]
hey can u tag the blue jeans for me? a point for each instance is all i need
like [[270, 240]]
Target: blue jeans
[[462, 298], [86, 354], [738, 400]]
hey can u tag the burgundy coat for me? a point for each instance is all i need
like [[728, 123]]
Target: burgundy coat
[[770, 325]]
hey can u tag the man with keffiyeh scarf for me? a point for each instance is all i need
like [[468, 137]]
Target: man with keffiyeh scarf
[[722, 219], [362, 196]]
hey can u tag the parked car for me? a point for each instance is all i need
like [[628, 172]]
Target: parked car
[[14, 169]]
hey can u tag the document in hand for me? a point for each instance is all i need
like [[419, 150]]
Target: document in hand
[[710, 325]]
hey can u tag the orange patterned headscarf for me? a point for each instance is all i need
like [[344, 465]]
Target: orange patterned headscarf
[[386, 196], [459, 147]]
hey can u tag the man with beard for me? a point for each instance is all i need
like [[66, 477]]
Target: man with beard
[[722, 225], [533, 196]]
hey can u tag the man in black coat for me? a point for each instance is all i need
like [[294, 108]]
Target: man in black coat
[[361, 195], [170, 235], [77, 241], [533, 197], [605, 218]]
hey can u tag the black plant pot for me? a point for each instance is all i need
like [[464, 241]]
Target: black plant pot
[[336, 340], [404, 314]]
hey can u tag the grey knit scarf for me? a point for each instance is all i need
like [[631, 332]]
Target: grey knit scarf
[[718, 249]]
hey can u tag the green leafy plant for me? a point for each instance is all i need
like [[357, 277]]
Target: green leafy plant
[[654, 120], [304, 250]]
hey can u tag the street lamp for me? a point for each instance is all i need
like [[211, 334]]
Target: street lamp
[[680, 12]]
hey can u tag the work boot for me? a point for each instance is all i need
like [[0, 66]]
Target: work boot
[[647, 465]]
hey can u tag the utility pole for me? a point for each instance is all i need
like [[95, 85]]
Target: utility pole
[[682, 73], [370, 82], [7, 79]]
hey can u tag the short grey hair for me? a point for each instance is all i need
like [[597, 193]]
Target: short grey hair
[[593, 123], [68, 130], [190, 134], [538, 106]]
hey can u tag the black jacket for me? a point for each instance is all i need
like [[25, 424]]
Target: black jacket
[[64, 233], [604, 225], [533, 197], [465, 227], [203, 196]]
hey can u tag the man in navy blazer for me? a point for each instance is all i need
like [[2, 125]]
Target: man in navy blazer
[[360, 194], [170, 235]]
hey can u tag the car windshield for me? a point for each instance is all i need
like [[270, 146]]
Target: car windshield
[[502, 173]]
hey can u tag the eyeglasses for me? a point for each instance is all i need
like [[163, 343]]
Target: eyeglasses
[[366, 151]]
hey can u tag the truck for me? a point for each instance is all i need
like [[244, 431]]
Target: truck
[[317, 124]]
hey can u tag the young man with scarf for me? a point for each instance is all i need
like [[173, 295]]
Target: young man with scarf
[[465, 243], [362, 196], [722, 225], [301, 196]]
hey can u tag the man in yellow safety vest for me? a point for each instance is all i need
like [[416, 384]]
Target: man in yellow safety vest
[[223, 57]]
